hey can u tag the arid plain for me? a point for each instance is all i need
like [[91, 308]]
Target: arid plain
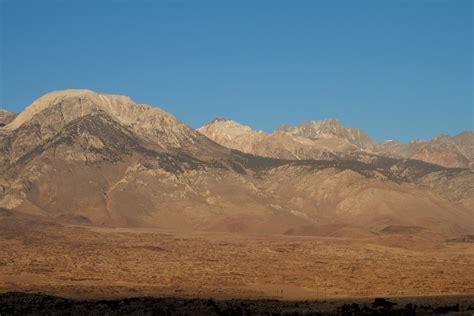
[[87, 262]]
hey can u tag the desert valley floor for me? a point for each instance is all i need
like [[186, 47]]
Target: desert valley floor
[[90, 262]]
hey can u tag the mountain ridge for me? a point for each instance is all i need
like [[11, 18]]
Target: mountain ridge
[[75, 160], [333, 137]]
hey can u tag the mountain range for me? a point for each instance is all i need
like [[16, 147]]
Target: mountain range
[[82, 157], [326, 139]]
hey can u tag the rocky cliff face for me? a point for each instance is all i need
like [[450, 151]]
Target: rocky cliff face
[[6, 117], [83, 157]]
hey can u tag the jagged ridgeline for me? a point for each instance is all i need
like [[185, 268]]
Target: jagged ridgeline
[[82, 157], [326, 139]]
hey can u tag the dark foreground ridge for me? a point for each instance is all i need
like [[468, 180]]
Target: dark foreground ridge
[[13, 303]]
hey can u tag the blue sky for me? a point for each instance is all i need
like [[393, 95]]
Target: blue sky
[[397, 69]]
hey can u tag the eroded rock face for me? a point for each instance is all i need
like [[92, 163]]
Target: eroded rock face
[[6, 117], [82, 156]]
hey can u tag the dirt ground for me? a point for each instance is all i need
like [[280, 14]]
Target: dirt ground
[[91, 262]]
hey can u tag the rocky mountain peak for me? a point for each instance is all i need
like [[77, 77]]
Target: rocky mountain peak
[[313, 129], [76, 103], [329, 128], [225, 128], [55, 110]]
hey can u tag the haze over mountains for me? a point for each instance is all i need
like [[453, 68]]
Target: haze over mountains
[[83, 157]]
